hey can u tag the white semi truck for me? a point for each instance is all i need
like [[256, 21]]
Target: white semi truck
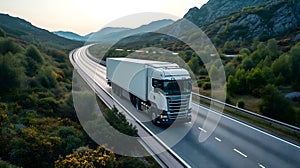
[[161, 89]]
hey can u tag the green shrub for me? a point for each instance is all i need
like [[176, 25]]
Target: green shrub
[[240, 104], [206, 85]]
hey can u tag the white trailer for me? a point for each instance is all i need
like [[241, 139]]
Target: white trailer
[[161, 89]]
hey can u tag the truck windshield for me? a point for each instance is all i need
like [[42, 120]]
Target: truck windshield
[[176, 87], [173, 87]]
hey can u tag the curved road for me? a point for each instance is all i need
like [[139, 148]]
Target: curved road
[[231, 144]]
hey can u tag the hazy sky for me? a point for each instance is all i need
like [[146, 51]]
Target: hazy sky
[[85, 16]]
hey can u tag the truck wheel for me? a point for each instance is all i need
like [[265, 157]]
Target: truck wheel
[[153, 118], [137, 103]]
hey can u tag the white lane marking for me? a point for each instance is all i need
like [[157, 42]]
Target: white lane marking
[[239, 152], [260, 165], [218, 139], [282, 140], [202, 129]]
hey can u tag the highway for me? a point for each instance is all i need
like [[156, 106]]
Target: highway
[[232, 144]]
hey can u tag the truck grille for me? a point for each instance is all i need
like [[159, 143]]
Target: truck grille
[[178, 106]]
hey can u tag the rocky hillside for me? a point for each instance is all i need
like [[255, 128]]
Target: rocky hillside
[[217, 8], [280, 20]]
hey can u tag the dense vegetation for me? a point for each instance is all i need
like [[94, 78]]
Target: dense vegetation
[[38, 124], [267, 73]]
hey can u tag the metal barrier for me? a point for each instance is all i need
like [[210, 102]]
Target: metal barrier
[[237, 109]]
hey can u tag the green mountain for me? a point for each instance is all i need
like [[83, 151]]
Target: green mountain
[[22, 29]]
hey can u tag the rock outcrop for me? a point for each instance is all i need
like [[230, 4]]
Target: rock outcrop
[[214, 9]]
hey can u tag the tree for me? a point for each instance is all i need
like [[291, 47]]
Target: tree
[[295, 63], [273, 49], [194, 64], [255, 43], [280, 80], [267, 62], [259, 54], [47, 78], [247, 63], [268, 75], [35, 54], [240, 76], [230, 47], [244, 52], [32, 67], [10, 72], [34, 60], [275, 106], [229, 69], [255, 79], [232, 85], [279, 66]]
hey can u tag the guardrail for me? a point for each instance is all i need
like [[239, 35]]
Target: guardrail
[[237, 109], [168, 149]]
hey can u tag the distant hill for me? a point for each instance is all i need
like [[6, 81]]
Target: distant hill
[[21, 28], [101, 34], [106, 33], [115, 34], [214, 9], [70, 35]]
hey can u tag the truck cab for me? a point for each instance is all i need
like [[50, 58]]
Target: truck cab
[[170, 94]]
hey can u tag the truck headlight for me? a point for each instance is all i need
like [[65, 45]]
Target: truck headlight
[[163, 116]]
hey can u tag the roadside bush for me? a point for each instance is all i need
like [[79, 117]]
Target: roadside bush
[[276, 106], [240, 104], [206, 85]]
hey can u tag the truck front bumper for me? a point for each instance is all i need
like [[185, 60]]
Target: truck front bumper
[[165, 119]]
